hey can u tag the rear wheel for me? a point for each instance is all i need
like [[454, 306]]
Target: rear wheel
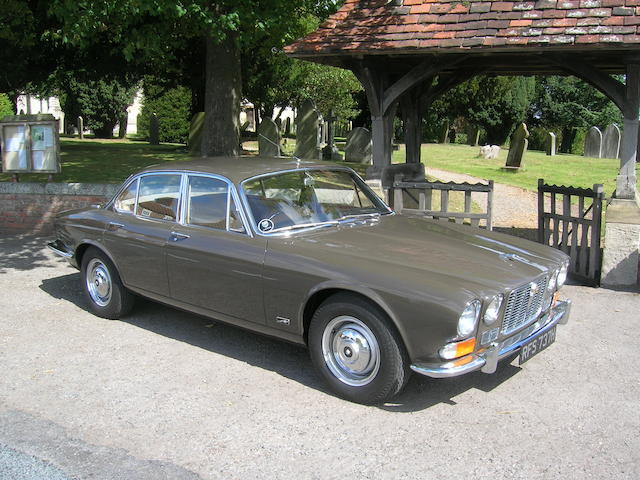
[[107, 296], [356, 350]]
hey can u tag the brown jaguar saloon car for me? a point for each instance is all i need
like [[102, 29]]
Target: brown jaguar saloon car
[[308, 253]]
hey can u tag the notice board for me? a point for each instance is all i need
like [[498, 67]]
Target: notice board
[[30, 144]]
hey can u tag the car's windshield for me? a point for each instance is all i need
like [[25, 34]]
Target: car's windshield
[[305, 198]]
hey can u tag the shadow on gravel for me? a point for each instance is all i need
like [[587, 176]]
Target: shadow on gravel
[[18, 252], [289, 360]]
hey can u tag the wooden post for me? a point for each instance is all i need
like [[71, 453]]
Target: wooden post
[[595, 257], [540, 211]]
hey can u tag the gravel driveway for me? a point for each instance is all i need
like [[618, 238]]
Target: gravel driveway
[[168, 395]]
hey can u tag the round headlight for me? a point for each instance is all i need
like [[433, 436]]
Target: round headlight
[[562, 275], [469, 319], [492, 311]]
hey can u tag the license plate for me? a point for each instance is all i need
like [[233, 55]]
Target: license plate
[[536, 345]]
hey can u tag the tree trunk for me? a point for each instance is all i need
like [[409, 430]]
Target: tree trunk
[[221, 129]]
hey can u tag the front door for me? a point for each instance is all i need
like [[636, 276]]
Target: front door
[[212, 261]]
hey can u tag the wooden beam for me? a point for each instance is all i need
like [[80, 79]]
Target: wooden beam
[[372, 83], [415, 76], [604, 82]]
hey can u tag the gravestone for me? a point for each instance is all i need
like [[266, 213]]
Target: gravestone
[[473, 136], [443, 135], [80, 128], [154, 130], [269, 138], [195, 134], [517, 148], [287, 127], [308, 134], [359, 146], [593, 143], [611, 142], [550, 144]]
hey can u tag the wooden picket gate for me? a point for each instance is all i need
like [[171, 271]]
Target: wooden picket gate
[[420, 197], [574, 229]]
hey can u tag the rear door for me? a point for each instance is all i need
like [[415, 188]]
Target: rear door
[[213, 260], [140, 224]]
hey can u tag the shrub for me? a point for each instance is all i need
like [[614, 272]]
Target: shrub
[[6, 107], [173, 108]]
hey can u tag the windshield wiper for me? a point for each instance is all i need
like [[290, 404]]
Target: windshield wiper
[[304, 225]]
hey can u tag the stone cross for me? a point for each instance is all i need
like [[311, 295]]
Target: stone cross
[[359, 146], [269, 138], [611, 142], [80, 128], [550, 144], [518, 147], [593, 143], [195, 134], [154, 130], [330, 151], [308, 132]]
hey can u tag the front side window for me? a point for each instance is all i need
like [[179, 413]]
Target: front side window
[[126, 201], [309, 197], [210, 204], [159, 197]]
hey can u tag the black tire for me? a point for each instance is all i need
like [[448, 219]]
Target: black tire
[[333, 325], [107, 297]]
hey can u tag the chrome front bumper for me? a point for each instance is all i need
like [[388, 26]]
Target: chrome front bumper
[[59, 249], [487, 360]]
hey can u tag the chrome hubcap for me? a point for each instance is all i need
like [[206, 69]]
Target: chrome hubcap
[[350, 351], [98, 282]]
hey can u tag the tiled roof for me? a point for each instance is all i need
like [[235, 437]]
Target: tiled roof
[[394, 26]]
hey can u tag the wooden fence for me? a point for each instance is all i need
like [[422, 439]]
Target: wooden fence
[[418, 198], [573, 226]]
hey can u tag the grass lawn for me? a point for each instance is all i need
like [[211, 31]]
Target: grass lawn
[[111, 161], [105, 161], [562, 169]]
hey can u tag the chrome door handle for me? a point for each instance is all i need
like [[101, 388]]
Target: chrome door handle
[[113, 226], [177, 236]]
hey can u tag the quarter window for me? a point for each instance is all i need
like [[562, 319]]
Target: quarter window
[[126, 201], [159, 197]]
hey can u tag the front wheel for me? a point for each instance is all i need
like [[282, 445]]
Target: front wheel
[[356, 350], [107, 296]]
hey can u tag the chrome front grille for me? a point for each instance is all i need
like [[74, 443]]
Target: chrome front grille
[[524, 305]]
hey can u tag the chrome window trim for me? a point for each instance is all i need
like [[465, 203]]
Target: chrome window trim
[[180, 218], [121, 191], [245, 202]]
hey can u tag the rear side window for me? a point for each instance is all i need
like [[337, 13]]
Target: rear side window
[[159, 197], [126, 201]]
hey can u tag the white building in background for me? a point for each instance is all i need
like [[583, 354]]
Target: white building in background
[[32, 105], [133, 111]]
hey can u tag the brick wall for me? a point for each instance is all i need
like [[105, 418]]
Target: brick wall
[[31, 207]]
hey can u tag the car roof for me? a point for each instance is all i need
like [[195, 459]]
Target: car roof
[[238, 169]]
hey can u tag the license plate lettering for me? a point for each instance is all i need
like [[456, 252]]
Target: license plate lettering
[[536, 345]]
